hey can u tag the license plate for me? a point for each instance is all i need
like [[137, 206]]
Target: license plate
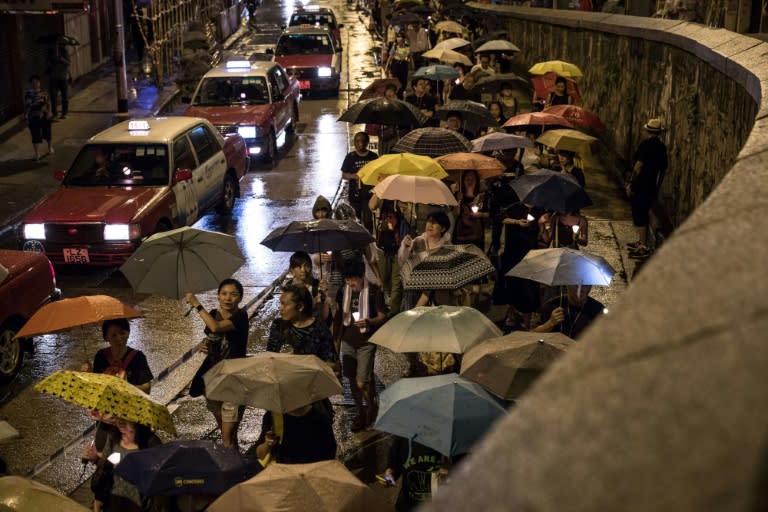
[[304, 84], [77, 256]]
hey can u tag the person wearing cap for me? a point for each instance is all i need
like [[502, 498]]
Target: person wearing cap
[[650, 164]]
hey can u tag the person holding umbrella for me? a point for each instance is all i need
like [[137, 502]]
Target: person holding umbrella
[[568, 166], [572, 317], [300, 266], [358, 193], [361, 310], [37, 114], [226, 330]]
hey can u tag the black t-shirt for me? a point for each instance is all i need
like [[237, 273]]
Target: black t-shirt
[[137, 372], [376, 302], [576, 319], [416, 471], [653, 153], [305, 439], [237, 339], [353, 163], [426, 102]]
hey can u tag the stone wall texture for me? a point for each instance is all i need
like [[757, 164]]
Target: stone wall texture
[[661, 404]]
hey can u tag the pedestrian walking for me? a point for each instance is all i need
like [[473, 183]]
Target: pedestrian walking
[[571, 315], [650, 165], [38, 115], [58, 78], [226, 330], [399, 62], [359, 194]]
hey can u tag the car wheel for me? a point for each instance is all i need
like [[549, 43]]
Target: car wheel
[[228, 194], [291, 128], [11, 352], [270, 155]]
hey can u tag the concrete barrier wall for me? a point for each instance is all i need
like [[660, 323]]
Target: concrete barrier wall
[[661, 405]]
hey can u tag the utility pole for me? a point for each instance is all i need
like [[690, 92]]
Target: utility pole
[[119, 60]]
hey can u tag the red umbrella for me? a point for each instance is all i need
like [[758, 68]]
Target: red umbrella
[[377, 87], [536, 120], [545, 84], [578, 116]]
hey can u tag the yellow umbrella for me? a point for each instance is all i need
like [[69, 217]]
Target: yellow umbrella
[[449, 56], [110, 395], [569, 140], [400, 163], [17, 493], [560, 67]]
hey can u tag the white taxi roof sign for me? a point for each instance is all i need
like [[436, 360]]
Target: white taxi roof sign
[[140, 125], [238, 64]]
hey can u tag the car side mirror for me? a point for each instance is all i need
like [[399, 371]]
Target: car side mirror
[[186, 99], [183, 175], [59, 174]]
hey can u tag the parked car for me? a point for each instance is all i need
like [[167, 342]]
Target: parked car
[[27, 282], [316, 16], [310, 55], [258, 101], [133, 180]]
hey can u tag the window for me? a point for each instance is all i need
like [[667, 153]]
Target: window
[[183, 158], [129, 165], [282, 80], [216, 91], [203, 143]]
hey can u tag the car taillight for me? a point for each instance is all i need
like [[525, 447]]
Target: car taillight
[[53, 273]]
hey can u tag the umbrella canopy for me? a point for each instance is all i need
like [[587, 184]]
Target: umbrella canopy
[[432, 142], [446, 268], [22, 495], [531, 120], [490, 36], [182, 260], [577, 116], [497, 45], [563, 266], [436, 72], [377, 87], [446, 412], [491, 84], [68, 313], [445, 55], [450, 26], [551, 190], [321, 487], [498, 141], [560, 67], [186, 467], [569, 140], [392, 112], [451, 329], [109, 395], [473, 114], [415, 189], [452, 43], [405, 18], [272, 381], [485, 166], [318, 235], [507, 366], [400, 163], [545, 84]]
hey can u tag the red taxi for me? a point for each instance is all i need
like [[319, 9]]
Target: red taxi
[[310, 55], [132, 180], [258, 101], [27, 282], [316, 16]]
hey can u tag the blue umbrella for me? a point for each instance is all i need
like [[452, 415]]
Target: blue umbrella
[[446, 413], [436, 72], [186, 467]]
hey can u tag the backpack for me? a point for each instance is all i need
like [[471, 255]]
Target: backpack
[[387, 237], [117, 367]]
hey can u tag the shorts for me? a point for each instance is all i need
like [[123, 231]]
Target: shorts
[[641, 207], [40, 128], [357, 363], [231, 413]]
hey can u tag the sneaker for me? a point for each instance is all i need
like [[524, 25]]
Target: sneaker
[[50, 150]]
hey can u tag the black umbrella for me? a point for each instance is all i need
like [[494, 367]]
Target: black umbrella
[[186, 467], [475, 115], [405, 18], [492, 83], [555, 191], [432, 142], [446, 268], [52, 39], [391, 112], [319, 235]]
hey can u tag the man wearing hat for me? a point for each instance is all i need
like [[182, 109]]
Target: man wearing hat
[[650, 164]]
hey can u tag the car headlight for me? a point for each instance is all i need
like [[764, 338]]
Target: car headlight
[[34, 231], [122, 232], [247, 132], [324, 72]]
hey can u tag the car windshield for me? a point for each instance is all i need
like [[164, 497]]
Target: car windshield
[[304, 44], [234, 90], [313, 19], [120, 165]]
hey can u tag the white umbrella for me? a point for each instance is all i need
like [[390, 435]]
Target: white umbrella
[[445, 55], [182, 260], [497, 45], [415, 189], [451, 43], [451, 329], [563, 266]]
